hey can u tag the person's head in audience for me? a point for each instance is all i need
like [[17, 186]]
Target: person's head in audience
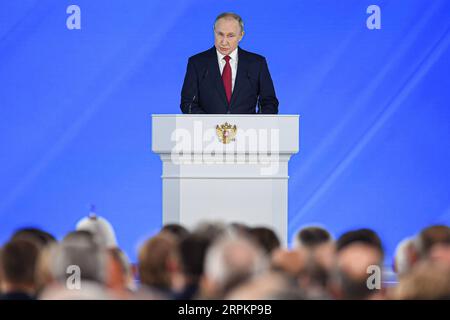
[[365, 236], [426, 281], [349, 279], [157, 262], [290, 262], [81, 248], [230, 261], [431, 236], [440, 254], [191, 255], [42, 240], [40, 237], [17, 269], [405, 256], [176, 230], [317, 247], [313, 236], [100, 228], [44, 273], [314, 277], [119, 277], [266, 238], [78, 260], [212, 230], [239, 228]]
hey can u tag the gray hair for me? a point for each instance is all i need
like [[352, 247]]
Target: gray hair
[[79, 248], [230, 15], [233, 259], [402, 256]]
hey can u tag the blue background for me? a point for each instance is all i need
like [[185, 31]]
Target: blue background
[[76, 105]]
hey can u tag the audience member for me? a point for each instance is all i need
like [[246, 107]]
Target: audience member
[[311, 237], [266, 238], [230, 261], [157, 262], [17, 268]]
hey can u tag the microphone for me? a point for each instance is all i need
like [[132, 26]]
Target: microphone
[[205, 74], [259, 106], [257, 101], [190, 104]]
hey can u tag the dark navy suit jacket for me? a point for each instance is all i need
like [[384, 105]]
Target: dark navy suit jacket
[[203, 90]]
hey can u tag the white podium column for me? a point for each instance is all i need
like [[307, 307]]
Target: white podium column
[[244, 180]]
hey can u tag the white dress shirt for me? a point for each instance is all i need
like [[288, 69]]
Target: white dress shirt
[[233, 63]]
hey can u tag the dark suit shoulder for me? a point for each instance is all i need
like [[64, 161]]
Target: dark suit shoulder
[[251, 55], [203, 55]]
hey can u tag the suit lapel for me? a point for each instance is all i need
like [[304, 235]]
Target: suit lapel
[[241, 75], [215, 72]]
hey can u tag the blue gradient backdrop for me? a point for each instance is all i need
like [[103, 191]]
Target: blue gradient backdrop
[[76, 105]]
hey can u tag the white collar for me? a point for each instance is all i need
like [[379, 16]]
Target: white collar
[[233, 55]]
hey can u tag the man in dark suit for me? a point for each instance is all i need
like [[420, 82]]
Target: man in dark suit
[[226, 79]]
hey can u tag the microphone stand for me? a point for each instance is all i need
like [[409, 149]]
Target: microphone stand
[[193, 98], [190, 104], [259, 106]]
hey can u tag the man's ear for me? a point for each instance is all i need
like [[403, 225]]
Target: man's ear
[[242, 35]]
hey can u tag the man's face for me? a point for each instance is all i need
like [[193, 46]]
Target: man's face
[[227, 35]]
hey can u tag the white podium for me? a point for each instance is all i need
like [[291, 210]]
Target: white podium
[[228, 168]]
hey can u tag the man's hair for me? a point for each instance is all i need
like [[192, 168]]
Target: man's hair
[[313, 236], [230, 15], [79, 248], [232, 260], [39, 237], [428, 237], [405, 255], [153, 257], [18, 260], [176, 230], [192, 253], [366, 236], [266, 238]]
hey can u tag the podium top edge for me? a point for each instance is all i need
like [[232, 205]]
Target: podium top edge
[[226, 115]]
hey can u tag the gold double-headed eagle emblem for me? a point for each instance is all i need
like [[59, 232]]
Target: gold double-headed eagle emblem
[[226, 132]]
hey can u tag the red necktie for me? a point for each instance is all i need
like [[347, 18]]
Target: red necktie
[[226, 77]]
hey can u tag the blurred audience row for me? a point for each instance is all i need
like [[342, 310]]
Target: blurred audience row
[[221, 261]]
